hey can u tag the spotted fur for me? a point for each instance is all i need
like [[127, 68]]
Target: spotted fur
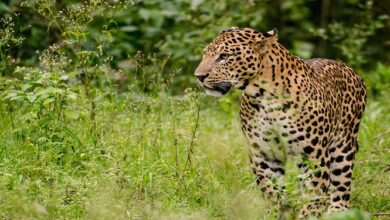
[[290, 106]]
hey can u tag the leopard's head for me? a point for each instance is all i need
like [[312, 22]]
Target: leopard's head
[[233, 58]]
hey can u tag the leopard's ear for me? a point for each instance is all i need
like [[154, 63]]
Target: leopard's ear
[[270, 37], [271, 33]]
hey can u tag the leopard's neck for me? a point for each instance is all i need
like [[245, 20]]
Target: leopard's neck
[[282, 76]]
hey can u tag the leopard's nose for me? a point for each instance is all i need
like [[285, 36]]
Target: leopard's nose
[[202, 77]]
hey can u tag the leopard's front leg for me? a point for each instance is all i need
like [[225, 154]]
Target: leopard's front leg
[[316, 181], [267, 173]]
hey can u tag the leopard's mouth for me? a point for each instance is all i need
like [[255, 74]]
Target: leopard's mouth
[[218, 89]]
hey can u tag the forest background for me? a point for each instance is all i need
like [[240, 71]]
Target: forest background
[[101, 116]]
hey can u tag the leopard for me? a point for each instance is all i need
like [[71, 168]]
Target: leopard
[[308, 110]]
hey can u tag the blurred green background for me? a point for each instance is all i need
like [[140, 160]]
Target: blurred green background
[[101, 117], [354, 31]]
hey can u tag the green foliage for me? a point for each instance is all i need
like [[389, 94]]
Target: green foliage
[[378, 80], [353, 31], [351, 40], [349, 215], [8, 40], [98, 118]]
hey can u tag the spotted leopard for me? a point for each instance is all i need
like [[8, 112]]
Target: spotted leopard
[[290, 106]]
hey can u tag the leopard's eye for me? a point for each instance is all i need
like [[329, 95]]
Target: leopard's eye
[[223, 56]]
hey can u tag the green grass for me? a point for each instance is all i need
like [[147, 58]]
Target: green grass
[[83, 137], [142, 160]]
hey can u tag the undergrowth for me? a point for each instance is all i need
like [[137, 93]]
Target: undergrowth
[[80, 139]]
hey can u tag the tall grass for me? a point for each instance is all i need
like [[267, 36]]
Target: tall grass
[[149, 155], [80, 139]]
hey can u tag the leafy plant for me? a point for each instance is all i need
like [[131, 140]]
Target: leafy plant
[[351, 40], [8, 41]]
